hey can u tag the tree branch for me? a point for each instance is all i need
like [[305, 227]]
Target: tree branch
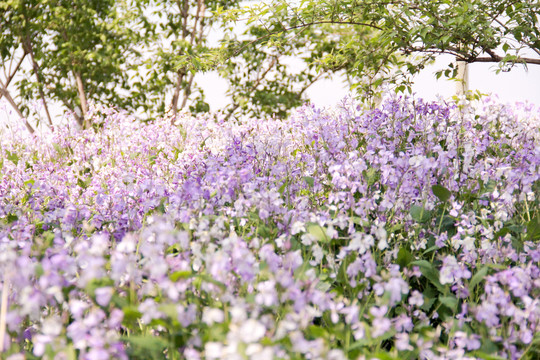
[[28, 49], [498, 59], [258, 81], [304, 25], [4, 91], [12, 75]]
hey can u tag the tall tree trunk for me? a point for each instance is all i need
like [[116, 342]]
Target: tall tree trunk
[[82, 98], [176, 96], [462, 85]]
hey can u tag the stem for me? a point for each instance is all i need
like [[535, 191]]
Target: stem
[[3, 312]]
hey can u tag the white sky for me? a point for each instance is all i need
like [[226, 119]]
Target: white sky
[[517, 85]]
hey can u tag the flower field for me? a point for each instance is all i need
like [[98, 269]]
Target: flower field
[[410, 231]]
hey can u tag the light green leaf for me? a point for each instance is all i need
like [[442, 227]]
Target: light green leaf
[[318, 232]]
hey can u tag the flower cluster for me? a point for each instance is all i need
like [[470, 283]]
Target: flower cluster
[[408, 231]]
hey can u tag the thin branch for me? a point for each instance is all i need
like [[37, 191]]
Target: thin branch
[[187, 90], [28, 48], [12, 75], [254, 87], [303, 25], [7, 95]]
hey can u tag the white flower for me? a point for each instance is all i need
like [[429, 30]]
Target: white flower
[[251, 331], [297, 227], [213, 350], [51, 326], [361, 242], [212, 315], [258, 352], [103, 295]]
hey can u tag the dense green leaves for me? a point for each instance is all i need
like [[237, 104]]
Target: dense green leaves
[[378, 42]]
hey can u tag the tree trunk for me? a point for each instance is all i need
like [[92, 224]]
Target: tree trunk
[[82, 98], [35, 67], [177, 89], [462, 85], [14, 105]]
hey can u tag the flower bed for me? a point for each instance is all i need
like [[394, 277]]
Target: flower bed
[[409, 231]]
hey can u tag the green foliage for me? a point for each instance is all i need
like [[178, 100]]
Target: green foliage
[[388, 42], [68, 41]]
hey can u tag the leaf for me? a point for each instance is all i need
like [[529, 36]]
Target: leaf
[[450, 302], [533, 229], [131, 314], [309, 180], [479, 276], [371, 176], [150, 347], [484, 356], [429, 273], [282, 188], [441, 192], [404, 257], [177, 275], [420, 214], [318, 331], [12, 156], [318, 232], [488, 188]]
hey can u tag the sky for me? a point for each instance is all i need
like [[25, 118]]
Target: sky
[[518, 85]]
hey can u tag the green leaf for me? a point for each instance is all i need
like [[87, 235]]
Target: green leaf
[[449, 301], [430, 273], [150, 347], [13, 157], [404, 257], [309, 180], [484, 356], [441, 192], [533, 229], [131, 314], [318, 331], [479, 276], [371, 176], [318, 232], [177, 275], [11, 218], [283, 187], [420, 214]]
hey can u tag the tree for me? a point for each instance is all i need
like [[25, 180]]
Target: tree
[[79, 50], [260, 82], [404, 35], [144, 55]]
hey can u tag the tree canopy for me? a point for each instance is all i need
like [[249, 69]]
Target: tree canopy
[[132, 55], [400, 37], [144, 55]]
